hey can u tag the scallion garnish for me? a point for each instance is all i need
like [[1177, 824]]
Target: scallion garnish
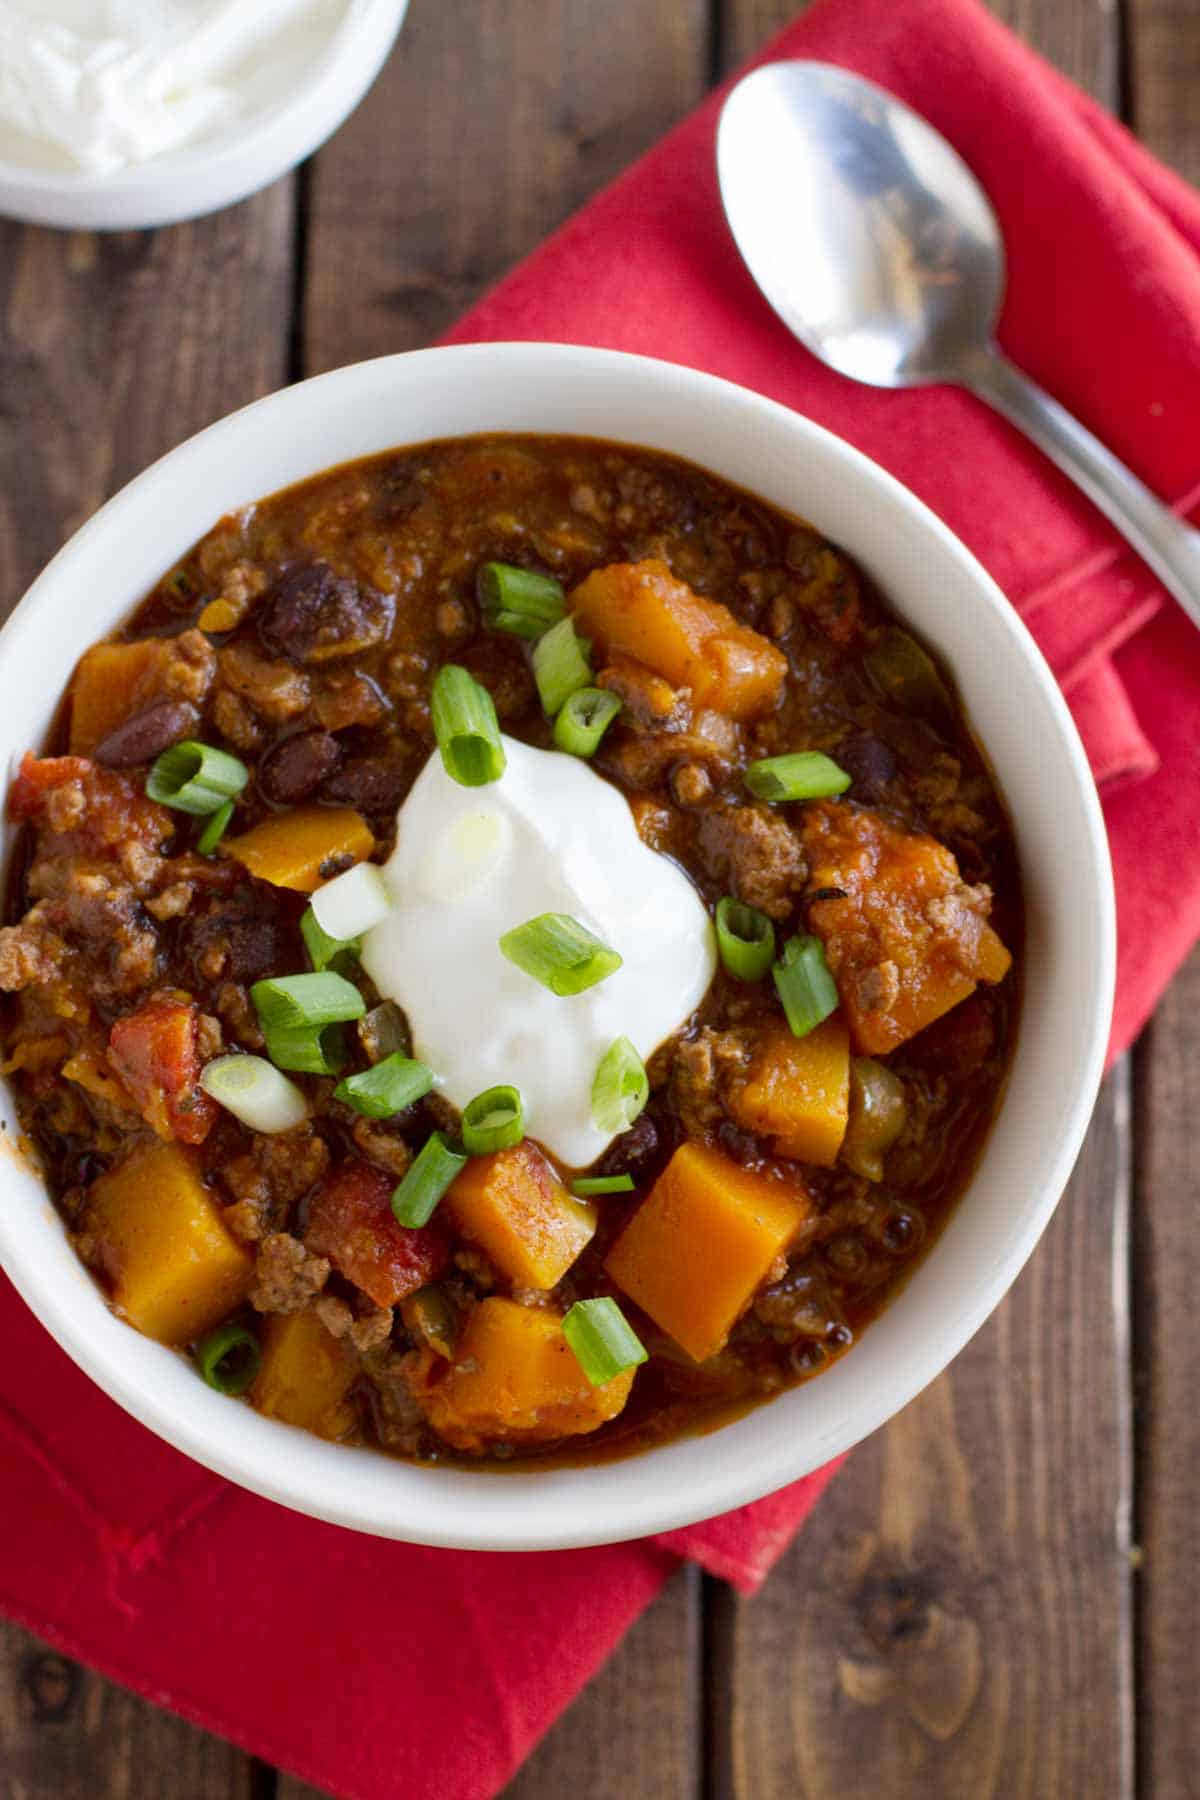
[[385, 1089], [432, 1170], [586, 1185], [621, 1088], [229, 1359], [325, 952], [603, 1341], [307, 1049], [195, 778], [519, 601], [319, 999], [352, 902], [255, 1092], [804, 984], [801, 775], [466, 727], [215, 829], [560, 665], [585, 717], [745, 939], [494, 1120], [560, 953]]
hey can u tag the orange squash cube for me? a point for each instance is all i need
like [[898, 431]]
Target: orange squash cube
[[515, 1379], [512, 1204], [110, 685], [905, 938], [641, 610], [305, 1375], [797, 1092], [702, 1243], [174, 1267], [299, 849]]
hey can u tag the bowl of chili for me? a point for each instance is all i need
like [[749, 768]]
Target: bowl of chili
[[653, 469]]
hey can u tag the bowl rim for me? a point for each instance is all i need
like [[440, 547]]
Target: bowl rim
[[229, 166], [726, 1484]]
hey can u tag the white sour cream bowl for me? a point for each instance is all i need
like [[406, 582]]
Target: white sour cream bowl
[[471, 863]]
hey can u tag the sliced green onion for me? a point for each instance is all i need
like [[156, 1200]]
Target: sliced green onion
[[745, 939], [255, 1092], [560, 953], [603, 1341], [494, 1120], [621, 1087], [351, 903], [585, 1185], [560, 665], [384, 1032], [585, 717], [804, 984], [195, 778], [519, 601], [801, 775], [307, 1049], [229, 1359], [466, 727], [383, 1091], [325, 952], [215, 829], [319, 999], [430, 1174]]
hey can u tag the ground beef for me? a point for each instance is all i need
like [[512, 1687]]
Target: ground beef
[[648, 700], [191, 668], [275, 691], [382, 1144], [30, 952], [643, 758], [268, 1180], [702, 1066], [286, 1275], [755, 854], [399, 1421]]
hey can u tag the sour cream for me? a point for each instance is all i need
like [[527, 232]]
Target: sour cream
[[470, 864], [97, 85]]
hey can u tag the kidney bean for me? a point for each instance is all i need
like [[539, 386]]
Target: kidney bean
[[371, 783], [869, 763], [146, 735], [312, 615], [296, 765]]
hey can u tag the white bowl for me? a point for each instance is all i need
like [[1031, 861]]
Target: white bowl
[[1015, 705], [185, 183]]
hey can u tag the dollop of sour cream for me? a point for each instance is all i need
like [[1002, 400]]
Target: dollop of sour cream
[[470, 864], [96, 85]]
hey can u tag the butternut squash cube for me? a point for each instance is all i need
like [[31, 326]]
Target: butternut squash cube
[[175, 1269], [512, 1204], [112, 682], [702, 1243], [905, 937], [797, 1092], [641, 610], [302, 848], [305, 1376], [515, 1379]]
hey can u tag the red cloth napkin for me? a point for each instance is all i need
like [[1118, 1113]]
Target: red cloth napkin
[[374, 1669]]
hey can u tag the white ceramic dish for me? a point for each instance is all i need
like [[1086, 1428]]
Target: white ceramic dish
[[189, 182], [1015, 705]]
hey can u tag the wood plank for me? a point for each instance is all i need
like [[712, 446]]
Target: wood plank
[[491, 123], [955, 1618], [1166, 1264], [112, 349], [1164, 79]]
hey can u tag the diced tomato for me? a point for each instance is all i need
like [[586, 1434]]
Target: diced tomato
[[352, 1223], [154, 1052], [114, 806]]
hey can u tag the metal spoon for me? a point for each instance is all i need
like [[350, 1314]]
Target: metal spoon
[[876, 245]]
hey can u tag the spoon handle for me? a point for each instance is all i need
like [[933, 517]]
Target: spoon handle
[[1168, 544]]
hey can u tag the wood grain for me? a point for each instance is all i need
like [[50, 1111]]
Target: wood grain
[[1166, 1283], [1164, 79], [954, 1620], [490, 125], [112, 349]]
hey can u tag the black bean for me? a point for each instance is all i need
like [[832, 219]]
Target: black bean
[[371, 783], [902, 1232], [294, 767], [630, 1153], [146, 735]]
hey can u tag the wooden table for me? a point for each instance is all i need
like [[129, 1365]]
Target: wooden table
[[1001, 1594]]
